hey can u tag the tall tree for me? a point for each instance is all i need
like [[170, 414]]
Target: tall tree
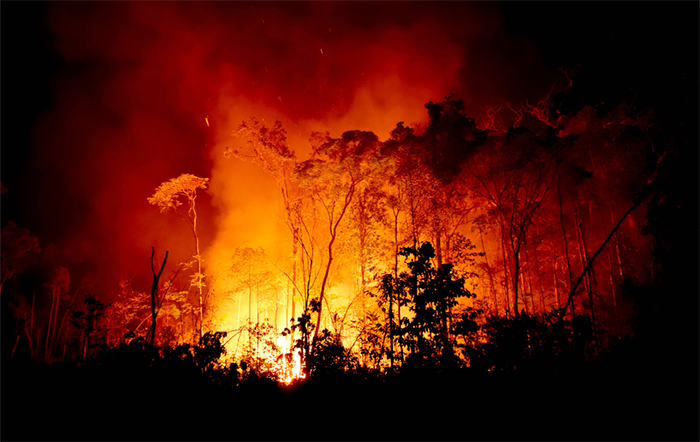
[[268, 148], [168, 197], [334, 174], [514, 175]]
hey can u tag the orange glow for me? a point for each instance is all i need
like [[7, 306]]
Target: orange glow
[[172, 63], [289, 371], [247, 199]]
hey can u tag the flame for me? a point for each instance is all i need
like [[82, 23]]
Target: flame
[[285, 362], [292, 370]]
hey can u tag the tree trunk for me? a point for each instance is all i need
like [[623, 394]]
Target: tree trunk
[[584, 259], [333, 227], [643, 195], [154, 292], [506, 264], [556, 284], [490, 272], [391, 293], [566, 245], [516, 273]]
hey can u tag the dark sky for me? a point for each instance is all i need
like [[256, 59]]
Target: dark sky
[[63, 142]]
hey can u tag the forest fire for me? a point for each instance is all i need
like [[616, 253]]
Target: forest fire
[[242, 204]]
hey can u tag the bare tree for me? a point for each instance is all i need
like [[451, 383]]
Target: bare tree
[[514, 176], [155, 301]]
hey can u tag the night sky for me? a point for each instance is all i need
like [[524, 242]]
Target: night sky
[[101, 103]]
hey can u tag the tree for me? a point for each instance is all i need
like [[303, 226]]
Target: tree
[[127, 312], [408, 189], [88, 322], [333, 175], [514, 176], [430, 293], [167, 197], [451, 138], [250, 271], [267, 147], [156, 302]]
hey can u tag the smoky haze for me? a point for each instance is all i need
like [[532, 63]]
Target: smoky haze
[[147, 91]]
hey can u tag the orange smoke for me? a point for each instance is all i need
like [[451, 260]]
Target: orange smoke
[[149, 91]]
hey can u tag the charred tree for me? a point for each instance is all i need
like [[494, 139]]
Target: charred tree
[[154, 294]]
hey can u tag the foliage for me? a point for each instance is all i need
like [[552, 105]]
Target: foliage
[[250, 272], [534, 344], [452, 137], [268, 147], [128, 312], [329, 356], [431, 295], [358, 200], [168, 193], [261, 355], [89, 322], [167, 196], [304, 327], [193, 364], [371, 337], [209, 350]]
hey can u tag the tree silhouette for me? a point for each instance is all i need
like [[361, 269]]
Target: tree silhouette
[[88, 322], [155, 300], [431, 294]]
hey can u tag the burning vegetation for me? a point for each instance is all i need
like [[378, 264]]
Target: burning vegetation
[[440, 250], [494, 254]]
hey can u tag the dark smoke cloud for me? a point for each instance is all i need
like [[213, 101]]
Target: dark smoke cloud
[[146, 91]]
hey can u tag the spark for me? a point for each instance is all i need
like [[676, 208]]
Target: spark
[[207, 120], [322, 51]]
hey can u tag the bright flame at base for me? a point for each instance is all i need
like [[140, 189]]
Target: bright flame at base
[[290, 369], [279, 359]]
